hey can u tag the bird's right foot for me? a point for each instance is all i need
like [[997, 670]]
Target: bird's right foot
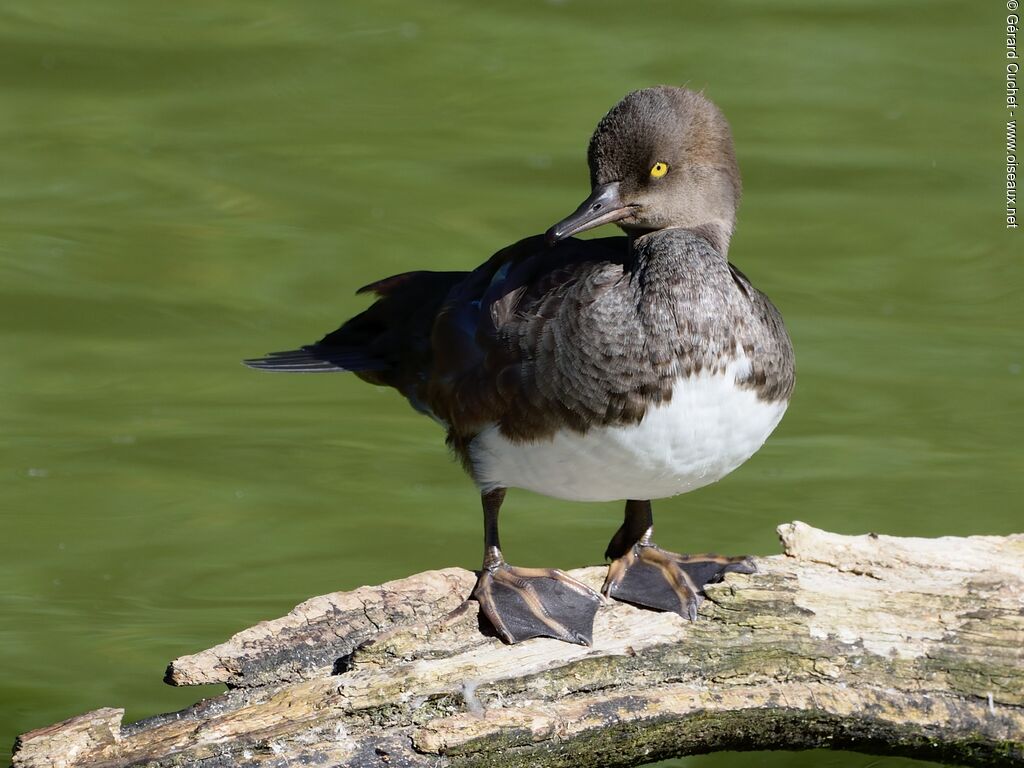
[[521, 603]]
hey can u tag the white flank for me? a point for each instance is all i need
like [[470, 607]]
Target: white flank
[[709, 428]]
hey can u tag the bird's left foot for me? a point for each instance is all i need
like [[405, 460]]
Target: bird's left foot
[[650, 576]]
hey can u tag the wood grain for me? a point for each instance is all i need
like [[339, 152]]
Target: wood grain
[[872, 643]]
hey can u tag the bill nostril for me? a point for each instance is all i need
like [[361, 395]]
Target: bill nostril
[[596, 207]]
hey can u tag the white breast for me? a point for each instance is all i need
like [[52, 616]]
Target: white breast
[[709, 428]]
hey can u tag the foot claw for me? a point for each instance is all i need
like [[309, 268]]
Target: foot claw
[[537, 602]]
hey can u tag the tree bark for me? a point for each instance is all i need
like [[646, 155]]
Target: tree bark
[[871, 643]]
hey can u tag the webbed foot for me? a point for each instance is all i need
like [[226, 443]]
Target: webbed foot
[[650, 576], [536, 602]]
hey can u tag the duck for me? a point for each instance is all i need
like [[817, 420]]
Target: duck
[[628, 368]]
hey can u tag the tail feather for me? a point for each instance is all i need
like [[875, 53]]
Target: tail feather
[[316, 358], [387, 343]]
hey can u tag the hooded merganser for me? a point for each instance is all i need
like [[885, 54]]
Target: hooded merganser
[[633, 367]]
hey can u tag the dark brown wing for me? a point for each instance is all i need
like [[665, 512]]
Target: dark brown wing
[[534, 340], [773, 364]]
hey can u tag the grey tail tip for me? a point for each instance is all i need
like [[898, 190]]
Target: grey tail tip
[[292, 366], [314, 360]]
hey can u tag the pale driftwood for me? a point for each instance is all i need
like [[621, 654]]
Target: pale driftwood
[[871, 643]]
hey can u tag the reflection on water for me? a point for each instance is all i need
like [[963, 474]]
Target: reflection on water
[[187, 185]]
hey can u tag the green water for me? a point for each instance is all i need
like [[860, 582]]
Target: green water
[[186, 184]]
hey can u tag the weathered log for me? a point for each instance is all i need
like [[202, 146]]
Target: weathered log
[[871, 643]]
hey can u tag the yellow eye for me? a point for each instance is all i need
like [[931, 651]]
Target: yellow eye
[[658, 170]]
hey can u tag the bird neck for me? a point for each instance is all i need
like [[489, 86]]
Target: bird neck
[[718, 232]]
